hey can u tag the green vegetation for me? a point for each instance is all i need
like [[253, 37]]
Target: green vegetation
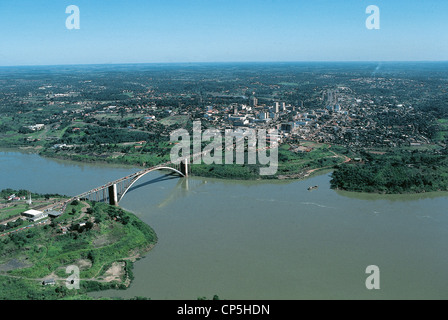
[[11, 209], [395, 172], [125, 115], [442, 133], [101, 240], [93, 144], [408, 169], [179, 120], [293, 162]]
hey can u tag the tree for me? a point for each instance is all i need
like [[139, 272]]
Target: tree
[[61, 291], [91, 256], [89, 225]]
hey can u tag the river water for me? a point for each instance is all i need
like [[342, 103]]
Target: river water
[[264, 240]]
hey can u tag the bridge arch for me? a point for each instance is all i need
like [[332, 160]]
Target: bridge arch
[[138, 177]]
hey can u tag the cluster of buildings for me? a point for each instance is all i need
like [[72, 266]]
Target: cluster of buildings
[[36, 127], [290, 121], [338, 117], [13, 197], [353, 122], [36, 215]]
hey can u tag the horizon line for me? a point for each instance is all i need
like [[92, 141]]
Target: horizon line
[[220, 62]]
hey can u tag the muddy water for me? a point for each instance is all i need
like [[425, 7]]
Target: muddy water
[[264, 240]]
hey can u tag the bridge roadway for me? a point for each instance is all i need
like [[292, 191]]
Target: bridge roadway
[[114, 194], [131, 176], [111, 186], [109, 190], [126, 183]]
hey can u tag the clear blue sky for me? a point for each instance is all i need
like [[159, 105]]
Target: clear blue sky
[[33, 32]]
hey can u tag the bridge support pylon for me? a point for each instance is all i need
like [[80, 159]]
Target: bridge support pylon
[[113, 196], [184, 167]]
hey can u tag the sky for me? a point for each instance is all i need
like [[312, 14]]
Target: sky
[[33, 32]]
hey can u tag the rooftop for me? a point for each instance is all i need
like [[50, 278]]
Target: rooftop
[[33, 212]]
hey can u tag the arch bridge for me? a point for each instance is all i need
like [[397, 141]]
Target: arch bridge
[[113, 192]]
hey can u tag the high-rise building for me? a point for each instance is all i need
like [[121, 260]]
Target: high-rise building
[[29, 201], [263, 115], [277, 107], [254, 102]]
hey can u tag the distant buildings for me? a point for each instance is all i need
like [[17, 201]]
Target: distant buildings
[[292, 127], [36, 127], [13, 197], [254, 102], [263, 115], [238, 120], [277, 107]]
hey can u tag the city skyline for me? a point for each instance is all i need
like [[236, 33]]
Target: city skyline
[[174, 31]]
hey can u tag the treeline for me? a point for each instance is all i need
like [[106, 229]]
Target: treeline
[[398, 172], [233, 171], [5, 193], [99, 135], [11, 225]]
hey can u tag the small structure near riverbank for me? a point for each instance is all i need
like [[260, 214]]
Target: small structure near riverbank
[[34, 215]]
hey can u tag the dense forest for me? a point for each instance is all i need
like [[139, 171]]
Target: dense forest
[[394, 172], [102, 135]]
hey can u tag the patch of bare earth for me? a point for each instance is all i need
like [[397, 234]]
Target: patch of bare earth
[[139, 253], [84, 264], [115, 272]]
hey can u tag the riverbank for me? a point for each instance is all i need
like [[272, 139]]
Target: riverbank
[[347, 177], [258, 239], [397, 172], [101, 241], [294, 169]]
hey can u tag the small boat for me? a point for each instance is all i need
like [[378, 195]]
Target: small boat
[[312, 188]]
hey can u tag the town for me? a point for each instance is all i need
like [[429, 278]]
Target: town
[[71, 114], [324, 115]]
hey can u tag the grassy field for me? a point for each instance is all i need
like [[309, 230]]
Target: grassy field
[[9, 209], [177, 119]]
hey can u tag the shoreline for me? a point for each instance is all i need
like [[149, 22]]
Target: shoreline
[[286, 177], [281, 178], [116, 272]]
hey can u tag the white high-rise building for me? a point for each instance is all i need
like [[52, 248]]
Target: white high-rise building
[[263, 115], [254, 102], [29, 201]]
